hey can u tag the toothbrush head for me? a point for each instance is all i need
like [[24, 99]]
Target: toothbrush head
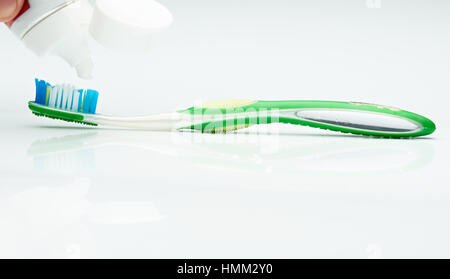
[[66, 97], [64, 102]]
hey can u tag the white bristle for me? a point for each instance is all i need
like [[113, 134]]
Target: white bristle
[[58, 96], [65, 96], [70, 98], [83, 96], [76, 97], [52, 97]]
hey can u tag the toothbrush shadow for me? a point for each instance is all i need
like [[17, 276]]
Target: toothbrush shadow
[[325, 135], [240, 151]]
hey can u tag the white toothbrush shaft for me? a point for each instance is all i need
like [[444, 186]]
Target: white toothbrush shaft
[[161, 122], [164, 122]]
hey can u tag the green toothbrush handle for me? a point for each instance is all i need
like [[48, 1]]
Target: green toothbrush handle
[[347, 117], [352, 117]]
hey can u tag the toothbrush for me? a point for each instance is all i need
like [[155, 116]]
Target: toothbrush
[[65, 102]]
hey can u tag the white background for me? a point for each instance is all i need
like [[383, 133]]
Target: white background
[[68, 191]]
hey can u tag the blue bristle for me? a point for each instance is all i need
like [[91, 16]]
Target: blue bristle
[[41, 91], [92, 100]]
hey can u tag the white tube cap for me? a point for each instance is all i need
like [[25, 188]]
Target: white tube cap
[[128, 25]]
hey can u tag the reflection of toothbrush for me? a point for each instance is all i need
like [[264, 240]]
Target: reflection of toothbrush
[[67, 103]]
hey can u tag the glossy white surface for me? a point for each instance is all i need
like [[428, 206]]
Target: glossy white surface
[[76, 192]]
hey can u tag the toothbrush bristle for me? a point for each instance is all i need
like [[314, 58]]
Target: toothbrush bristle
[[66, 97]]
